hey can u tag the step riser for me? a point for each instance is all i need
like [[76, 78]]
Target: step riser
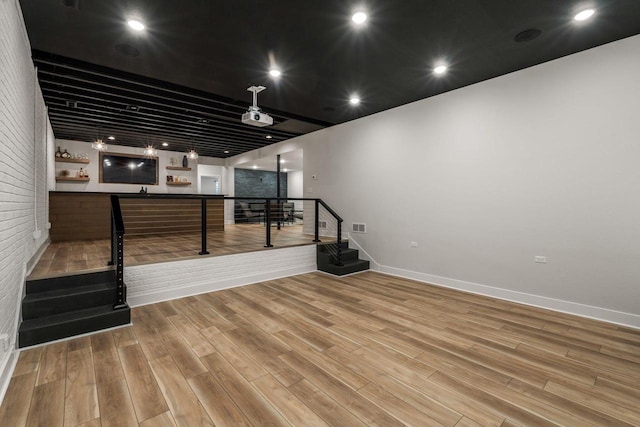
[[69, 282], [66, 303], [346, 269], [76, 327], [324, 258]]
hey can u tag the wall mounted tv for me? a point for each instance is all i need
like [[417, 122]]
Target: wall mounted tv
[[118, 168]]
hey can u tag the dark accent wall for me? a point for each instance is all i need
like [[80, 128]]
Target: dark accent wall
[[257, 183]]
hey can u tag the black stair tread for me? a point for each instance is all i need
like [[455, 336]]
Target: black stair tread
[[69, 281], [351, 262], [346, 253], [70, 316], [39, 296]]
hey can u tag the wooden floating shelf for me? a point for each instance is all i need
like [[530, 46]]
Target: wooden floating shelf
[[61, 160], [72, 179], [177, 168], [178, 183]]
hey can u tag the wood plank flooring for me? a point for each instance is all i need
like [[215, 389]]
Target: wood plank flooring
[[81, 256], [313, 350]]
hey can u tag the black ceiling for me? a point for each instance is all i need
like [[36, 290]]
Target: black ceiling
[[196, 59]]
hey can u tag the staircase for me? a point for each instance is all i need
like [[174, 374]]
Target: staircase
[[61, 307], [327, 260]]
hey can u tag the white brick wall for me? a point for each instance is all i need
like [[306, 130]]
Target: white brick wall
[[22, 160], [159, 282]]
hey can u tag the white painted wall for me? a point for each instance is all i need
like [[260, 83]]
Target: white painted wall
[[543, 161], [23, 174], [295, 187], [209, 171]]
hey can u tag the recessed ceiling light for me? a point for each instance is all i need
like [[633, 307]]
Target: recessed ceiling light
[[255, 166], [165, 144], [111, 138], [284, 170], [135, 24], [281, 160], [268, 137], [354, 100], [226, 151], [359, 18], [275, 73], [440, 69], [584, 15], [204, 121]]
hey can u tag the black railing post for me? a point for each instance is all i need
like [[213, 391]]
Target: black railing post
[[203, 222], [267, 221], [316, 224], [117, 237], [339, 240], [121, 296], [113, 242]]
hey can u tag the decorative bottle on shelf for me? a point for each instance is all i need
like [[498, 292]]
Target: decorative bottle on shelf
[[59, 153], [185, 162], [81, 173], [65, 154]]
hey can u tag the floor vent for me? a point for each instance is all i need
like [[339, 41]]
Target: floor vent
[[359, 228]]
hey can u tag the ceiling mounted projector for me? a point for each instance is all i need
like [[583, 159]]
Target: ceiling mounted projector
[[254, 116]]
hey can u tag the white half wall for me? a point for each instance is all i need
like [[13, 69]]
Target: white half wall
[[540, 162], [150, 283]]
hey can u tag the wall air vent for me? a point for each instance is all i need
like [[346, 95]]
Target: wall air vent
[[359, 228], [322, 224]]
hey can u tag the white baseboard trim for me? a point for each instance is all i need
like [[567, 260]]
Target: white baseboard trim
[[598, 313], [6, 371]]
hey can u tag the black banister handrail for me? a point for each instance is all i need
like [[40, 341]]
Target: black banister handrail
[[118, 230], [331, 211], [117, 252]]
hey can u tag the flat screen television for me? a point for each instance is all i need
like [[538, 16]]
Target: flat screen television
[[118, 168]]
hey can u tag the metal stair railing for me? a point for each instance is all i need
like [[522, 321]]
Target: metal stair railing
[[118, 228]]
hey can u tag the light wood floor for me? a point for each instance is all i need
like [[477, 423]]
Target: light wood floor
[[368, 349], [74, 257]]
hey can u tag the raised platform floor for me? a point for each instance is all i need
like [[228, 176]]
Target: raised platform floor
[[82, 256]]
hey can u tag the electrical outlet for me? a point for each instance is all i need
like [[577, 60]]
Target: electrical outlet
[[4, 342], [540, 259], [48, 226], [413, 244]]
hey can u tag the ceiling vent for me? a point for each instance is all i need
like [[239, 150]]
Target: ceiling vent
[[73, 4], [527, 35], [72, 104]]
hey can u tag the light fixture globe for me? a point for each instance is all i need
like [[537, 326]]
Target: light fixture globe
[[149, 151], [99, 145], [192, 155]]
